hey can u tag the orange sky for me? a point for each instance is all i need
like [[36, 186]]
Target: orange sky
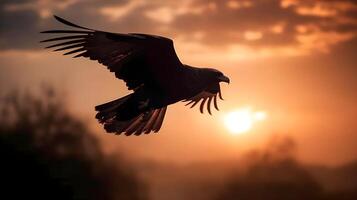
[[293, 59]]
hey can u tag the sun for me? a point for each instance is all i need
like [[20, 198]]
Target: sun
[[242, 120]]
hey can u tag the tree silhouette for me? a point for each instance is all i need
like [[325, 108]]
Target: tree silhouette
[[49, 154], [273, 175]]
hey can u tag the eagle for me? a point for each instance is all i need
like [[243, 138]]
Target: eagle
[[149, 66]]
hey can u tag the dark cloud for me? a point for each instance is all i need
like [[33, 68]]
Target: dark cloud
[[257, 24], [21, 24], [18, 29], [219, 23]]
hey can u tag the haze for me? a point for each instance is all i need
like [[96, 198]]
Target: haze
[[293, 59]]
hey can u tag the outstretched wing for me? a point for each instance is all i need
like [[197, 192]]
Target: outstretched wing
[[138, 59], [143, 123], [206, 95]]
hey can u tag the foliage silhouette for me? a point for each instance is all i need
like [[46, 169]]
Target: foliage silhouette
[[274, 174], [49, 154]]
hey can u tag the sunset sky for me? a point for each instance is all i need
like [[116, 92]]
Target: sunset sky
[[294, 60]]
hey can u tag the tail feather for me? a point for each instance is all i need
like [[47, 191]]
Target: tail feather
[[111, 104], [109, 110], [150, 124], [145, 122], [158, 122]]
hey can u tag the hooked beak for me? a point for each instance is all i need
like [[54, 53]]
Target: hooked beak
[[224, 79]]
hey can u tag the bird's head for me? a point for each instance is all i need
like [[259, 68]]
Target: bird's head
[[218, 75], [208, 86]]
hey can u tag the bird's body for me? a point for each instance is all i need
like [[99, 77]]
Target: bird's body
[[150, 67]]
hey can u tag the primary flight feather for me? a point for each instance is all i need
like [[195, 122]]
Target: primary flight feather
[[149, 66]]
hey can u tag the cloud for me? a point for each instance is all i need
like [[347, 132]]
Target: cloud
[[323, 40], [168, 13], [253, 35], [44, 8], [278, 28], [320, 8], [234, 4], [15, 33], [274, 25], [294, 26], [119, 11], [162, 14]]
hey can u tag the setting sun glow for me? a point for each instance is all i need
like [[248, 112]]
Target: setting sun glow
[[242, 120]]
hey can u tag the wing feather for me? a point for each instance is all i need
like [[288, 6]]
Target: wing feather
[[209, 105], [204, 96], [64, 38], [203, 104], [74, 51], [67, 43]]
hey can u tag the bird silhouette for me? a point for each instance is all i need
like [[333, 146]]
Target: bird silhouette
[[149, 66]]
